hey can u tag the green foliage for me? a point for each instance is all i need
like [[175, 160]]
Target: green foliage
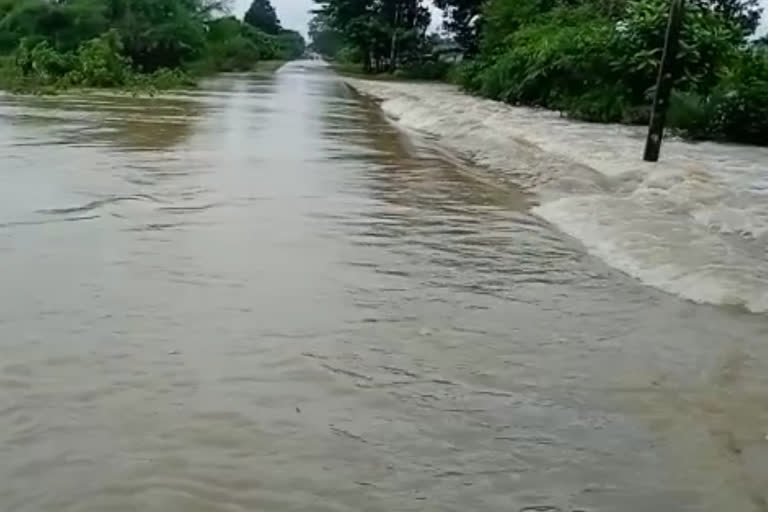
[[564, 55], [384, 34], [96, 63], [742, 112], [100, 63], [126, 43], [426, 70], [326, 39], [745, 14], [237, 46], [460, 18], [736, 109], [161, 79], [236, 54], [261, 15], [42, 60], [598, 61], [503, 18], [161, 33], [707, 42], [349, 55], [290, 44], [65, 25]]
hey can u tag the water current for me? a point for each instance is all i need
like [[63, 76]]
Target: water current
[[267, 295], [695, 224]]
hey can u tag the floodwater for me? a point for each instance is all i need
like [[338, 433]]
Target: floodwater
[[694, 224], [262, 296]]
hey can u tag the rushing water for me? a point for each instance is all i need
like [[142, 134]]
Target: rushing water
[[695, 224], [261, 296]]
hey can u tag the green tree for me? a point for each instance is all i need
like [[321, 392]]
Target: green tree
[[108, 43], [262, 16], [384, 34], [325, 39], [462, 19], [65, 25], [598, 61], [290, 44], [745, 13], [353, 19], [237, 46]]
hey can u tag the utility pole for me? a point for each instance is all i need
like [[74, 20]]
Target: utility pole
[[667, 74]]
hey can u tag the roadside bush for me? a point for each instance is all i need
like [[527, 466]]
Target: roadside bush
[[64, 25], [741, 114], [736, 110], [692, 114], [97, 63], [290, 44], [426, 70], [236, 46], [41, 61], [599, 62], [707, 43], [162, 79], [563, 56], [349, 55], [467, 74], [162, 34], [236, 54], [134, 43], [100, 63], [11, 77], [267, 47]]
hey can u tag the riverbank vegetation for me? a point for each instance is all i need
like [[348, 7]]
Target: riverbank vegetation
[[133, 43], [595, 60]]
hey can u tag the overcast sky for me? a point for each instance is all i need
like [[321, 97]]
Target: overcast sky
[[764, 28], [294, 14]]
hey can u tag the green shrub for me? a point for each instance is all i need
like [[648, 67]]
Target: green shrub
[[100, 63], [426, 70], [290, 44], [349, 55], [599, 62], [97, 63], [118, 43], [741, 112], [236, 54], [603, 104], [267, 47], [707, 42], [161, 79], [563, 55], [737, 108], [41, 62]]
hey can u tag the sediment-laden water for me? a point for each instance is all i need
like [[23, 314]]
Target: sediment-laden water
[[264, 296]]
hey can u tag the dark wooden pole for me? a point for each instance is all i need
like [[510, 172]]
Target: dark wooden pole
[[667, 75]]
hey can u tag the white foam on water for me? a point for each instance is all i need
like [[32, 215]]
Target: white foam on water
[[661, 250], [695, 224]]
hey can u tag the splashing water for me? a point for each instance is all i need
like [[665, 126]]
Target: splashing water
[[695, 224]]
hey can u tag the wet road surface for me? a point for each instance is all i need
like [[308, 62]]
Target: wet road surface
[[261, 296]]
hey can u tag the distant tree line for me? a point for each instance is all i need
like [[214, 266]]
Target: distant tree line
[[382, 35], [106, 43]]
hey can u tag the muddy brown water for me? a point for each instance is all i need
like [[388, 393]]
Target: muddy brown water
[[261, 296]]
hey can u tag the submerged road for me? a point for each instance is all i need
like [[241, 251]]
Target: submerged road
[[261, 296]]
